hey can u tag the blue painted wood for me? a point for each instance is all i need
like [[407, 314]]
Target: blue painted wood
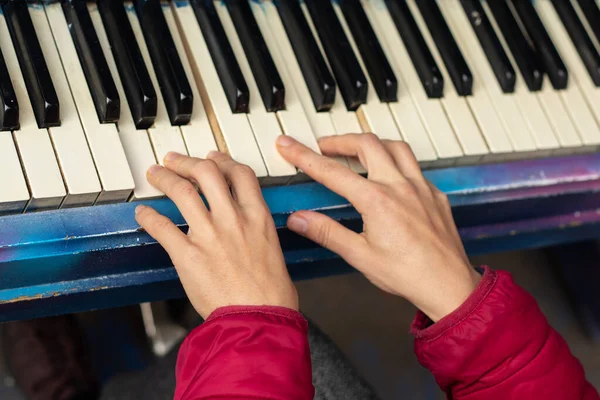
[[83, 258]]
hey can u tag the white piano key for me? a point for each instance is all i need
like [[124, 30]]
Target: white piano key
[[136, 143], [197, 134], [579, 79], [479, 102], [264, 124], [70, 144], [33, 144], [557, 115], [404, 111], [321, 123], [232, 131], [504, 104], [431, 111], [14, 194], [460, 116], [103, 139], [540, 128], [163, 135], [375, 116], [293, 119]]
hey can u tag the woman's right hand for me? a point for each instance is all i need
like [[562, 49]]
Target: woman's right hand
[[409, 245]]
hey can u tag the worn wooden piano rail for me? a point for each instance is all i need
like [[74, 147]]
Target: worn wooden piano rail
[[79, 259]]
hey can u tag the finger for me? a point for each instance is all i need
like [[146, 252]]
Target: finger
[[326, 171], [243, 181], [328, 233], [162, 229], [207, 175], [181, 191], [405, 159], [370, 151]]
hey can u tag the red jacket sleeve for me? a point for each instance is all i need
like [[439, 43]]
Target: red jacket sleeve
[[246, 353], [498, 345]]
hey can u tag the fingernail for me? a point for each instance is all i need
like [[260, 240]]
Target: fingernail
[[285, 141], [154, 169], [297, 224], [172, 156], [212, 154], [139, 209]]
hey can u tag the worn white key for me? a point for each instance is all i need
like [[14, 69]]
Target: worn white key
[[404, 112], [197, 134], [14, 194], [293, 119], [456, 107], [479, 102], [232, 131], [163, 135], [504, 104], [375, 116], [540, 128], [70, 144], [557, 115], [33, 144], [103, 139], [321, 123], [264, 124], [431, 111], [136, 143], [579, 79]]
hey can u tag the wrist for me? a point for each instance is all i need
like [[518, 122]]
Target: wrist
[[449, 294]]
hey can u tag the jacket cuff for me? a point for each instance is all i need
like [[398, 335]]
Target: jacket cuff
[[276, 311], [423, 328]]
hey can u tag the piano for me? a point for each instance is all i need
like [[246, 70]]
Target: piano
[[499, 100]]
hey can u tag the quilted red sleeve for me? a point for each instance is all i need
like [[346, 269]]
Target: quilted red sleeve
[[498, 345], [246, 353]]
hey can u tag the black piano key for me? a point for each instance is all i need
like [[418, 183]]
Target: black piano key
[[420, 55], [136, 81], [499, 61], [172, 79], [9, 108], [40, 88], [547, 53], [320, 82], [585, 47], [591, 10], [231, 77], [263, 68], [346, 68], [457, 67], [378, 67], [524, 55], [97, 73]]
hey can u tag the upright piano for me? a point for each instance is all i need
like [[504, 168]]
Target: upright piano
[[499, 100]]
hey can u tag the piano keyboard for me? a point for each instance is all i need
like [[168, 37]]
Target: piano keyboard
[[94, 93]]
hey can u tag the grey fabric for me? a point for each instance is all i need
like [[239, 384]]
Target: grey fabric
[[333, 376]]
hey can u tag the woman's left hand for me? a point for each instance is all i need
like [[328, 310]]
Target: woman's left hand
[[231, 254]]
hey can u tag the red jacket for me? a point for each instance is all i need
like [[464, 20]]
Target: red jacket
[[497, 345]]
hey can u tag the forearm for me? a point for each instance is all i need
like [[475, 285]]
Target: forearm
[[498, 345], [246, 352]]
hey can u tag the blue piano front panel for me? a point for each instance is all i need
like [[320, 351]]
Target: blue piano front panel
[[84, 258]]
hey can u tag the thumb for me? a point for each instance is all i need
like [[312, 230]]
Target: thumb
[[328, 233]]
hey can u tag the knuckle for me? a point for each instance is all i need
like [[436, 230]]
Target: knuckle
[[322, 234], [160, 223], [370, 139], [242, 170], [204, 167], [379, 197], [184, 188]]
